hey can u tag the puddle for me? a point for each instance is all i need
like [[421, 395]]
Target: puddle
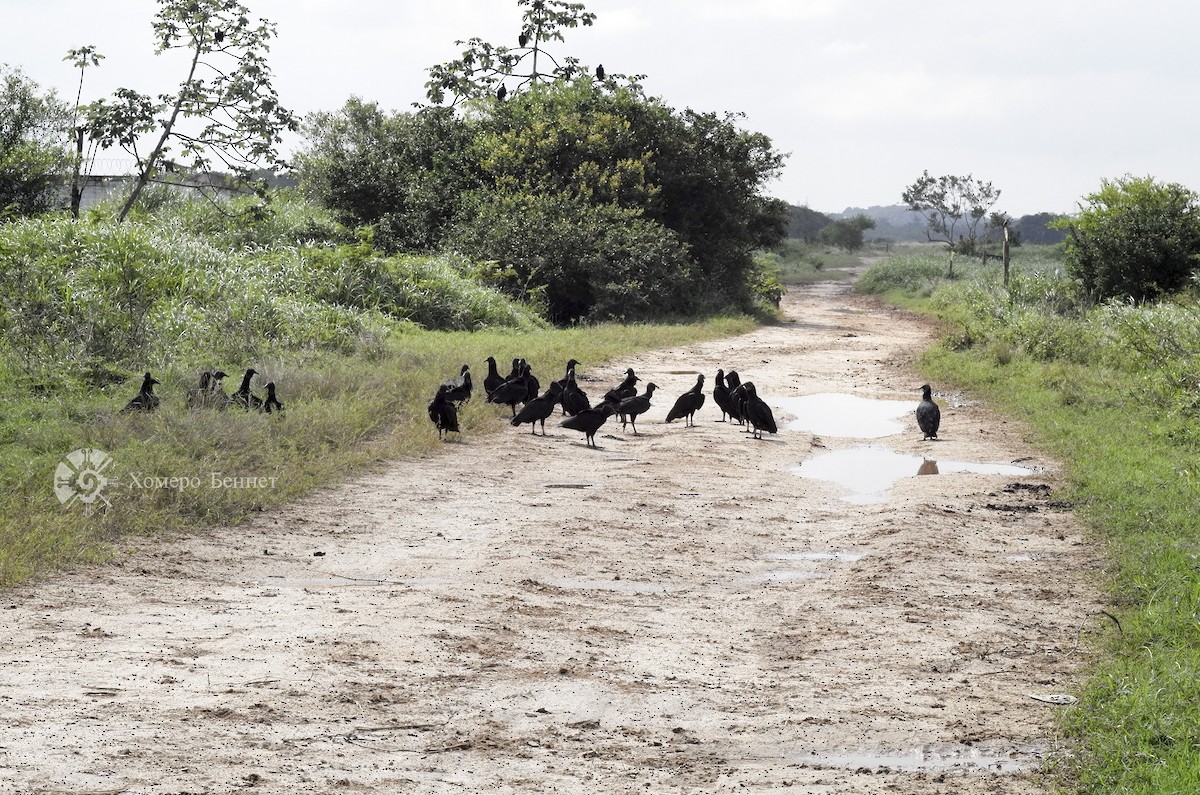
[[568, 485], [623, 586], [273, 581], [868, 472], [839, 556], [848, 416], [931, 758]]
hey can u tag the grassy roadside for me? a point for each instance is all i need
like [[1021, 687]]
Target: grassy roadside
[[344, 413], [1099, 389]]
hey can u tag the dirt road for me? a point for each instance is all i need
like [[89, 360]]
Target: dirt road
[[678, 611]]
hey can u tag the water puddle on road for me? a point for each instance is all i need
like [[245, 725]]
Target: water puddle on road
[[802, 565], [931, 758], [869, 472], [848, 416]]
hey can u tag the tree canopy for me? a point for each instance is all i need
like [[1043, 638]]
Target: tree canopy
[[576, 154], [34, 161], [227, 92]]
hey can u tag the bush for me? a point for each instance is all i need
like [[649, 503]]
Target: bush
[[1137, 239], [576, 260]]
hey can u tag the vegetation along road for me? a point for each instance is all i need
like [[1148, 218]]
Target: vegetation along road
[[683, 610]]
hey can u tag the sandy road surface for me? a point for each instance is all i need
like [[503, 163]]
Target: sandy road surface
[[675, 612]]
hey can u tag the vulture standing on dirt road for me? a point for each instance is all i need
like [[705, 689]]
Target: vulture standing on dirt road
[[630, 408], [929, 416], [721, 397], [687, 404], [625, 389], [590, 420], [574, 399], [538, 409], [757, 413]]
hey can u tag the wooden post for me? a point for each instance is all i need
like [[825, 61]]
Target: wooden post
[[1006, 254]]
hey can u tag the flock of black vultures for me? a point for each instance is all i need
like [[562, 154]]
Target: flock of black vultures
[[739, 402], [210, 394]]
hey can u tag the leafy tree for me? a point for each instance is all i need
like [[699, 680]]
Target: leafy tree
[[490, 70], [404, 174], [1037, 229], [697, 174], [227, 92], [806, 223], [1135, 238], [847, 233], [953, 208], [33, 161]]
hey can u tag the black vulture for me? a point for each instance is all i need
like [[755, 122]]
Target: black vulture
[[200, 395], [493, 378], [590, 420], [574, 399], [271, 403], [600, 72], [145, 400], [625, 389], [687, 404], [510, 393], [442, 413], [733, 383], [630, 408], [243, 397], [538, 409], [929, 416], [721, 397], [532, 385], [459, 389], [758, 413], [501, 92]]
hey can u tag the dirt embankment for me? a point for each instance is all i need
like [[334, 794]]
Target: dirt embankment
[[676, 611]]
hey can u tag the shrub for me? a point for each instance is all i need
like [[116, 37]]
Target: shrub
[[1137, 238]]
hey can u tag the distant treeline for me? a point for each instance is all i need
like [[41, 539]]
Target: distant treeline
[[897, 223]]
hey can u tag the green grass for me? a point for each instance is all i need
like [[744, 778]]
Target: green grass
[[799, 263], [1120, 412], [344, 414]]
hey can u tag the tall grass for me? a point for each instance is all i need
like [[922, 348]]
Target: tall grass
[[1113, 391]]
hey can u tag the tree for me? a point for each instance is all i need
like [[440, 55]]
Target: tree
[[405, 174], [487, 70], [227, 92], [805, 223], [33, 161], [953, 207], [847, 233], [1135, 238], [82, 58], [697, 174]]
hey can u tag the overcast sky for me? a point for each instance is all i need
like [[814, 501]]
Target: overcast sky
[[1044, 99]]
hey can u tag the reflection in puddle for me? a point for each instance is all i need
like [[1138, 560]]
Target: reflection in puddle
[[945, 758], [848, 416], [868, 472]]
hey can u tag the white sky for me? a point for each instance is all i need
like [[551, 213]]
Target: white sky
[[1044, 99]]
